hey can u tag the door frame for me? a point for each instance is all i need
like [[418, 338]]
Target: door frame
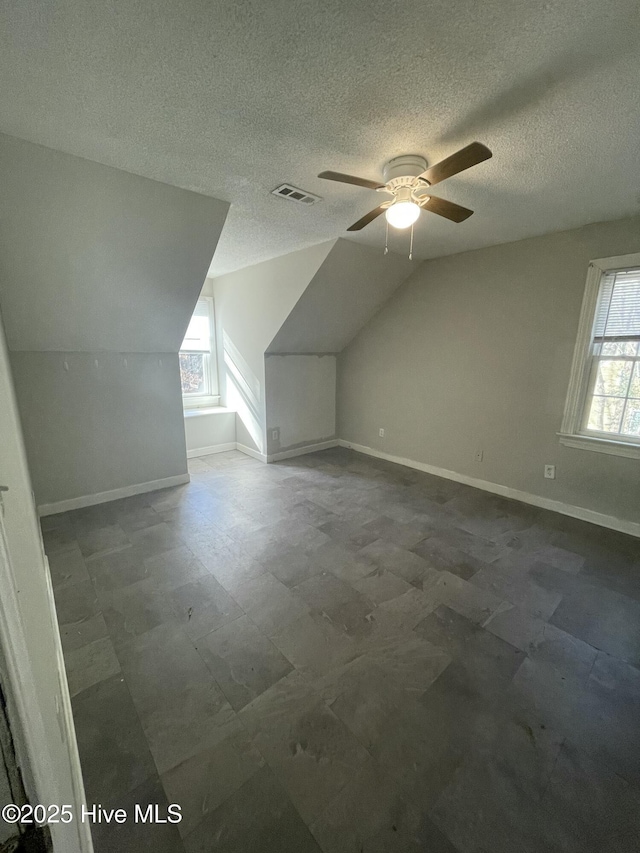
[[34, 677]]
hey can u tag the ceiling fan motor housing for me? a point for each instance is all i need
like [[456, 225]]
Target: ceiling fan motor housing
[[402, 170]]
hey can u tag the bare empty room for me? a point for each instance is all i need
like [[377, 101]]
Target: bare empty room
[[320, 427]]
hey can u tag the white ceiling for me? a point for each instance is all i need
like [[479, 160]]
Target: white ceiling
[[233, 98]]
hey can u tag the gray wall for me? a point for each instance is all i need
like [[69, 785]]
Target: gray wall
[[93, 258], [301, 400], [204, 431], [251, 305], [474, 352], [98, 265], [309, 303], [97, 427]]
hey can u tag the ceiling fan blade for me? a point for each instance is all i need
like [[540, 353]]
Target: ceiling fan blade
[[458, 162], [454, 212], [351, 179], [368, 217]]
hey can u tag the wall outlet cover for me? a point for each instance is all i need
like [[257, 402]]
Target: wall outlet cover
[[550, 472], [381, 432], [275, 434], [479, 455]]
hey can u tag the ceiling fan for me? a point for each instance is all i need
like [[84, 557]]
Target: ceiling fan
[[408, 180]]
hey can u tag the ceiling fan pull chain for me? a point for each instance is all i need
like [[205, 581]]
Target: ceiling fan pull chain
[[386, 239], [411, 245]]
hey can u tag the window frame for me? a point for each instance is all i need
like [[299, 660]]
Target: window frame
[[573, 432], [211, 397]]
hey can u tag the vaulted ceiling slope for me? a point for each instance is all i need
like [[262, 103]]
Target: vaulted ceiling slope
[[93, 258], [351, 285], [231, 99], [254, 302]]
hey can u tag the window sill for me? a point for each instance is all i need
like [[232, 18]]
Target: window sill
[[211, 410], [601, 445], [205, 401]]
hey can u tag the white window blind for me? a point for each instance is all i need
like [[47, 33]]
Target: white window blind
[[613, 396], [198, 337], [618, 312]]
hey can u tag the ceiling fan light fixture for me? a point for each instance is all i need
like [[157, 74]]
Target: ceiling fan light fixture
[[405, 178], [402, 214]]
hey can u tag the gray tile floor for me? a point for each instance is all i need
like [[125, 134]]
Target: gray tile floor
[[339, 654]]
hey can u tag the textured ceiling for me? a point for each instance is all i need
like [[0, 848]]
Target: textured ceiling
[[232, 98]]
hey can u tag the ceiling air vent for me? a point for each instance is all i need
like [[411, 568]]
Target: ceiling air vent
[[292, 193]]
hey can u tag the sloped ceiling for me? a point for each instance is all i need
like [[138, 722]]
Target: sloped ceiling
[[351, 285], [254, 302], [93, 258], [230, 99]]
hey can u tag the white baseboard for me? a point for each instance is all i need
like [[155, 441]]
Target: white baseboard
[[214, 448], [111, 495], [610, 521], [301, 451], [287, 454], [251, 452]]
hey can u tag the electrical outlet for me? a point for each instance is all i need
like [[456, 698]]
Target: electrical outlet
[[550, 472], [479, 455], [381, 432], [275, 435]]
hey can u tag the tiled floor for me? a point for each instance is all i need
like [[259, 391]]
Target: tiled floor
[[338, 654]]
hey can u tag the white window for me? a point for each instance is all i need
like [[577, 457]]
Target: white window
[[198, 368], [603, 407]]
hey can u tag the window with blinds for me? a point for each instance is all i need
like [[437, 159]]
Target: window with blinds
[[612, 407], [198, 373]]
